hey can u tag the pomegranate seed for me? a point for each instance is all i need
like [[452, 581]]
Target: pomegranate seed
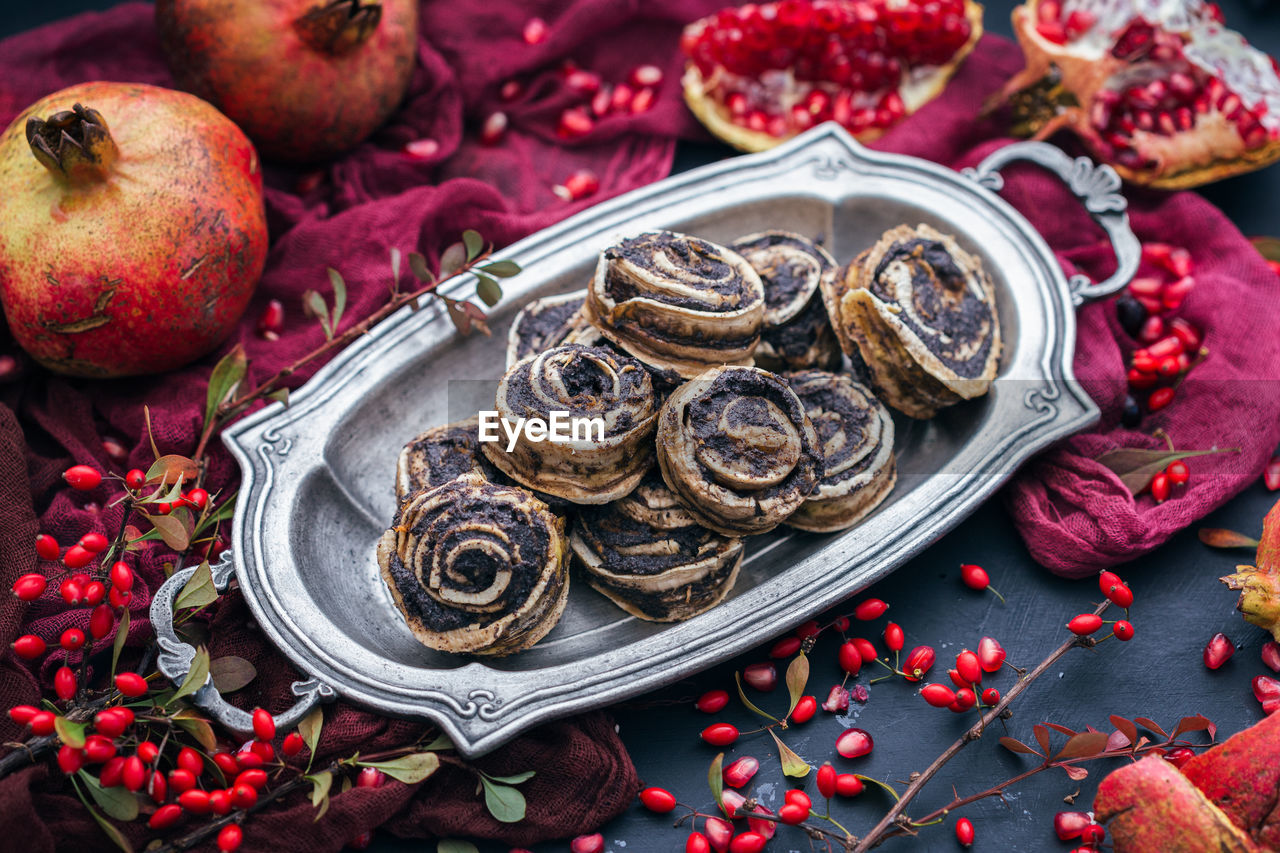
[[232, 836], [1218, 651], [620, 102], [1265, 689], [1093, 834], [720, 734], [535, 32], [854, 743], [1180, 756], [872, 608], [805, 708], [1152, 329], [29, 646], [371, 777], [1084, 624], [785, 648], [77, 557], [766, 828], [64, 683], [47, 547], [292, 744], [271, 323], [796, 797], [848, 785], [919, 661], [1160, 398], [181, 781], [1160, 487], [644, 101], [792, 815], [826, 780], [1189, 336], [991, 696], [747, 842], [712, 702], [645, 75], [82, 477], [968, 667], [1123, 631], [72, 639], [602, 102], [70, 759], [511, 90], [1069, 825], [94, 543], [866, 649], [894, 639], [493, 129], [719, 832], [131, 684], [1270, 477], [1271, 655], [697, 843], [583, 82], [837, 700], [29, 587], [1178, 472], [587, 844], [42, 723], [849, 657], [22, 714], [964, 826], [579, 185], [574, 122], [738, 774], [938, 695], [991, 654]]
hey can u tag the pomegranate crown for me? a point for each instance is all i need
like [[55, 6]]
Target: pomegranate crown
[[339, 26], [74, 144]]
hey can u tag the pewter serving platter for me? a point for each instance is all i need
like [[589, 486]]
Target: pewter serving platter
[[318, 477]]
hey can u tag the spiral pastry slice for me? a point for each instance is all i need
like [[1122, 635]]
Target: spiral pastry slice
[[796, 334], [677, 303], [549, 322], [440, 454], [738, 450], [649, 556], [922, 314], [476, 567], [574, 381], [855, 434]]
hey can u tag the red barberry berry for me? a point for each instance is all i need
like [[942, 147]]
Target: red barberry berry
[[894, 637], [134, 775], [131, 684], [712, 702], [805, 708], [1160, 487], [64, 683], [93, 542], [77, 557], [792, 815], [148, 751], [230, 838], [135, 479], [849, 657], [848, 785], [872, 608], [181, 781], [964, 832], [720, 734], [101, 621], [785, 648], [1178, 472], [1093, 834], [94, 592], [72, 639], [43, 722], [991, 696], [47, 547], [292, 744], [195, 801], [1123, 630], [1085, 624], [82, 477], [264, 725], [657, 800], [121, 576], [70, 759], [866, 649], [165, 817], [243, 796], [30, 587], [28, 647], [826, 780], [697, 843], [938, 695]]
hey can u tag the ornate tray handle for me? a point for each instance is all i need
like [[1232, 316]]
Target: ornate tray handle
[[176, 657], [1097, 186]]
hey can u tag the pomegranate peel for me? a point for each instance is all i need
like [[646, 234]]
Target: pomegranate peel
[[1260, 585], [818, 80], [1173, 100]]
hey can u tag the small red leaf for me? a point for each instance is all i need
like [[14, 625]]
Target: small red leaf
[[1083, 745], [1117, 740], [1152, 725], [1018, 746], [1062, 730], [1076, 773], [1198, 723], [1042, 738], [1125, 726]]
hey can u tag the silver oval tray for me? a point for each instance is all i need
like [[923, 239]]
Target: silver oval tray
[[318, 477]]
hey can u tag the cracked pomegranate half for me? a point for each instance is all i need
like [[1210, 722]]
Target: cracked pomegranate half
[[1159, 89], [761, 73]]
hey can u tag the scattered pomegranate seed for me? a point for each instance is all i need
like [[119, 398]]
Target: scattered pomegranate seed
[[8, 367], [826, 780], [620, 101], [1265, 689], [271, 322], [1271, 475], [82, 477], [1069, 825], [370, 777], [938, 695], [1180, 756], [738, 774], [536, 32], [872, 608], [644, 100], [720, 734], [719, 832], [493, 129], [919, 661], [581, 184], [785, 648], [574, 122], [854, 743], [805, 708], [712, 702], [511, 90], [964, 832], [645, 75], [1271, 655], [1123, 630], [837, 700], [1085, 624], [47, 547], [1218, 651], [765, 828], [231, 837], [602, 102], [583, 82], [587, 843]]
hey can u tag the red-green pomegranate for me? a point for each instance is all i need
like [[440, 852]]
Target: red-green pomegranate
[[306, 79], [132, 228]]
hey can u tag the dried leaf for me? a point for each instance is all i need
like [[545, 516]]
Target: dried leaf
[[230, 673], [1217, 537], [461, 320], [715, 779], [174, 533], [1083, 745], [737, 679], [410, 769], [1151, 725], [172, 469], [146, 416], [1042, 737], [792, 764], [502, 269], [1014, 745], [452, 259], [1077, 774], [196, 676], [198, 590], [223, 381], [488, 290], [797, 679], [198, 727], [1135, 466], [117, 645], [70, 733], [506, 804], [1126, 726], [116, 802], [455, 845], [473, 242], [339, 296]]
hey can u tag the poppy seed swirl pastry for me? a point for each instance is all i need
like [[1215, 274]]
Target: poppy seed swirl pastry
[[738, 450], [650, 556], [440, 454], [796, 333], [549, 322], [579, 382], [922, 314], [677, 302], [476, 567], [855, 434]]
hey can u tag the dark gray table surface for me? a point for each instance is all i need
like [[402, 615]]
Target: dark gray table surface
[[1180, 604]]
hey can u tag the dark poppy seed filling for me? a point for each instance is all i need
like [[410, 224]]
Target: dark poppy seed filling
[[440, 454]]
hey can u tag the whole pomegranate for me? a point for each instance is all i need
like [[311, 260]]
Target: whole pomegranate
[[305, 79], [1161, 90], [132, 228], [764, 72]]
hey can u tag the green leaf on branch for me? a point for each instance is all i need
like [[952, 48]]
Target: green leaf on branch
[[174, 533], [454, 845], [172, 469], [737, 679], [198, 591], [502, 269], [310, 728], [116, 802], [473, 242], [418, 266], [1136, 466], [196, 676], [320, 785], [506, 804], [190, 721], [452, 259], [339, 296], [314, 306], [797, 678], [514, 779], [442, 741], [715, 779], [70, 733], [117, 838], [792, 764], [488, 290], [280, 395], [117, 645], [889, 788], [224, 380], [409, 769], [231, 673]]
